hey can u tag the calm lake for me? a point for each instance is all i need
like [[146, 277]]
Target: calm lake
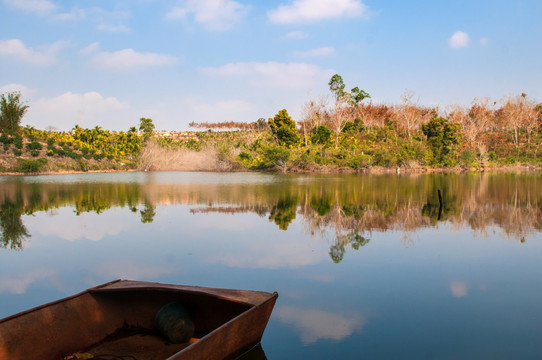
[[366, 266]]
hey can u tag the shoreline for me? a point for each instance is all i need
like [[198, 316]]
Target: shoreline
[[371, 171]]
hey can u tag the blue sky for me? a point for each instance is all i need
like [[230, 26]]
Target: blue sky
[[108, 63]]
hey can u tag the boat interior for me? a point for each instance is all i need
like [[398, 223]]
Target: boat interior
[[111, 324]]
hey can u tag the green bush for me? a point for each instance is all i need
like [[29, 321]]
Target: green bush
[[6, 146], [321, 135], [31, 166], [4, 139], [18, 141], [17, 152], [34, 145], [468, 158], [50, 141], [73, 155], [50, 152], [83, 165], [34, 153]]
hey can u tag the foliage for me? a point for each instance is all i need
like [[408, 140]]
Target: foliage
[[32, 166], [12, 111], [284, 129], [147, 127], [321, 135], [443, 138], [34, 145]]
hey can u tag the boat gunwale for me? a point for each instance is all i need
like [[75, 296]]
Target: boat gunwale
[[150, 286], [271, 299], [54, 302], [252, 297]]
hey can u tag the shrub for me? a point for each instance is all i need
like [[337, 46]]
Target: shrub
[[17, 152], [50, 141], [34, 153], [276, 157], [83, 165], [34, 145], [467, 158], [18, 141], [29, 166], [50, 152], [6, 146], [4, 139], [73, 155], [321, 135]]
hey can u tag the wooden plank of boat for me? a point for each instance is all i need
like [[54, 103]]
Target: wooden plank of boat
[[117, 319]]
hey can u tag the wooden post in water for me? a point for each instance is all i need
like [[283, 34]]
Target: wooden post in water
[[440, 204]]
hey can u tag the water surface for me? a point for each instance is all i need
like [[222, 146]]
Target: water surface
[[367, 266]]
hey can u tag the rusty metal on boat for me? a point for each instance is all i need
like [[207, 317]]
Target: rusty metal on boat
[[117, 319]]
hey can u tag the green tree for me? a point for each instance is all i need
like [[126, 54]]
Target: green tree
[[12, 111], [146, 125], [321, 135], [443, 138], [284, 129], [357, 96], [336, 85]]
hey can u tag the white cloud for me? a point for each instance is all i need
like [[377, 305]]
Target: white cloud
[[321, 51], [92, 48], [311, 10], [313, 324], [458, 288], [24, 90], [75, 14], [212, 14], [297, 35], [128, 59], [88, 110], [269, 252], [16, 49], [36, 6], [19, 283], [273, 74], [113, 28], [128, 270], [459, 39]]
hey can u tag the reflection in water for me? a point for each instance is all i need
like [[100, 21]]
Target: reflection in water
[[19, 283], [14, 233], [314, 324], [458, 288], [351, 206]]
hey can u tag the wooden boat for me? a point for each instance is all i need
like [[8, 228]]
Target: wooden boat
[[117, 319]]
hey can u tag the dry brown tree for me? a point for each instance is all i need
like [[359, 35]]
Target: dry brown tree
[[312, 114], [519, 112]]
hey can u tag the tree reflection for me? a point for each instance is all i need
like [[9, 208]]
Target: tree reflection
[[342, 209], [284, 212], [352, 239], [14, 233], [148, 213]]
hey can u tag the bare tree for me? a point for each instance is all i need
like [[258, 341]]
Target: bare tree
[[312, 114], [410, 114], [519, 112]]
